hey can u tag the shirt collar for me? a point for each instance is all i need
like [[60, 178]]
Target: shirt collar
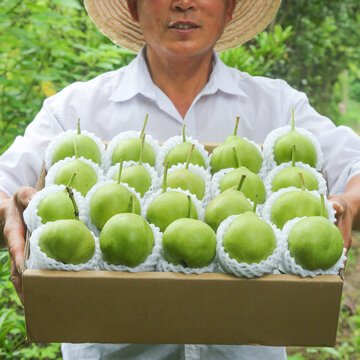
[[138, 80], [221, 78]]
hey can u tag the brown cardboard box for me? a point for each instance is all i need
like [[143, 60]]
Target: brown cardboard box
[[156, 307]]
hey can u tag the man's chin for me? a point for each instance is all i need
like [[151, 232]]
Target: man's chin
[[185, 50]]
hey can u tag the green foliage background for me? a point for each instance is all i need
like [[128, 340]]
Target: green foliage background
[[47, 44]]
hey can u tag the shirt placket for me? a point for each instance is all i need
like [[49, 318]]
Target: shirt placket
[[190, 123], [192, 352]]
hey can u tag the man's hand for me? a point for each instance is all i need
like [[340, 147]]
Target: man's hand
[[14, 231], [344, 218], [347, 206]]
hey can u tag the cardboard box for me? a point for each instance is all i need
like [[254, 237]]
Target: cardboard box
[[174, 308]]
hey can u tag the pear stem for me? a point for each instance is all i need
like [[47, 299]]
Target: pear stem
[[293, 149], [183, 133], [75, 149], [119, 172], [71, 179], [322, 212], [144, 126], [236, 125], [302, 181], [132, 203], [241, 182], [255, 203], [189, 156], [292, 119], [72, 198], [236, 157], [142, 148], [78, 126], [165, 177], [190, 207]]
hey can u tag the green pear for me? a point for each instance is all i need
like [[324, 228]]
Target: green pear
[[253, 186], [68, 241], [246, 154], [58, 205], [187, 180], [169, 206], [85, 179], [126, 239], [190, 243], [137, 176], [86, 147], [290, 177], [305, 150], [111, 199], [292, 204], [179, 154], [230, 202], [315, 243], [249, 239], [129, 149]]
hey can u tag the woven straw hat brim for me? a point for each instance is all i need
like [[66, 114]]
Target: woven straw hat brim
[[113, 19]]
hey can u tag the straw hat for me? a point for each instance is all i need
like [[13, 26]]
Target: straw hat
[[113, 19]]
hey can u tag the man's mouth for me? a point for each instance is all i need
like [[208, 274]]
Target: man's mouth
[[183, 25]]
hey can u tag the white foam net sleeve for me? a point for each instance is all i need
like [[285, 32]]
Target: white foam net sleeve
[[33, 220], [155, 178], [150, 262], [92, 191], [215, 181], [164, 266], [288, 264], [198, 204], [170, 143], [271, 175], [266, 211], [51, 174], [243, 269], [274, 135], [129, 135], [56, 140], [205, 175], [39, 260]]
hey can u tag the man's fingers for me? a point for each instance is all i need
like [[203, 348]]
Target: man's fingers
[[343, 220], [14, 229], [14, 232], [17, 281]]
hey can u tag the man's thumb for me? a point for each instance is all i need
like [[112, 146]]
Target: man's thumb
[[24, 195], [338, 206]]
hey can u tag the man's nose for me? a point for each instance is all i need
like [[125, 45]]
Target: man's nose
[[183, 5]]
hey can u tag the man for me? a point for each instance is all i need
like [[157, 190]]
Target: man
[[177, 78]]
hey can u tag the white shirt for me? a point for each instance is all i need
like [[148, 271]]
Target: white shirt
[[118, 101]]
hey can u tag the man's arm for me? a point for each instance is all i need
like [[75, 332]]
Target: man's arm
[[347, 206], [13, 228]]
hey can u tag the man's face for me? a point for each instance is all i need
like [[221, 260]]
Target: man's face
[[181, 27]]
